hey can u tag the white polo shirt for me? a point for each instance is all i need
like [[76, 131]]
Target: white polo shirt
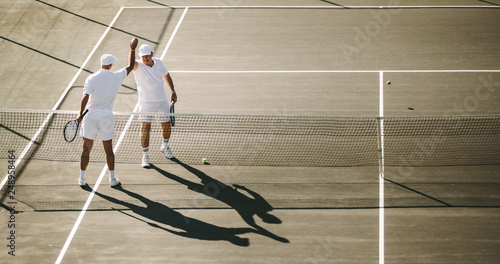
[[150, 81], [102, 87]]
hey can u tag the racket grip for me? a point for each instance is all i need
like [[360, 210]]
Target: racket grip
[[84, 113]]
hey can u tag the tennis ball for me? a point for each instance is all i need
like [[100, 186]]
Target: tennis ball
[[204, 160], [389, 82]]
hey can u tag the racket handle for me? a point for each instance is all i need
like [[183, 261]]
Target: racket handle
[[84, 113]]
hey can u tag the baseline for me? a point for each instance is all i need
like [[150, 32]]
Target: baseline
[[341, 71], [316, 7]]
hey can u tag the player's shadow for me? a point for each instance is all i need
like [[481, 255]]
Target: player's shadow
[[157, 213], [246, 206]]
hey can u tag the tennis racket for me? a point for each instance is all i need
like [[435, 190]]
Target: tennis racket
[[172, 111], [71, 128]]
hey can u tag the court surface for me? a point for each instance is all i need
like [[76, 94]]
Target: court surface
[[267, 58]]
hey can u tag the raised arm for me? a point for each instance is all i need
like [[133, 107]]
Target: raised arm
[[131, 55]]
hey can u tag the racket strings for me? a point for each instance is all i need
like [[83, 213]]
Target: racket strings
[[70, 130]]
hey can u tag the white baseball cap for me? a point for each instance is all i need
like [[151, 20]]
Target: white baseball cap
[[144, 50], [108, 59]]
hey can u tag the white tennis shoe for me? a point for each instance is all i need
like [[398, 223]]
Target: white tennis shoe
[[114, 182], [167, 151], [145, 160], [81, 182]]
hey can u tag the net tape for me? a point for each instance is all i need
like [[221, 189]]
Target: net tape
[[251, 140]]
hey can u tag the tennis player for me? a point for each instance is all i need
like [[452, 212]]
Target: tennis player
[[99, 95], [149, 73]]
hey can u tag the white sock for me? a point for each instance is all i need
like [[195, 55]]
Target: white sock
[[112, 175], [145, 150], [82, 174], [165, 142]]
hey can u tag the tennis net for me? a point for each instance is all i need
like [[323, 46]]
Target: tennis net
[[256, 140]]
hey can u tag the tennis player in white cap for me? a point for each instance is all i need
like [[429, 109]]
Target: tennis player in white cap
[[149, 73], [99, 95]]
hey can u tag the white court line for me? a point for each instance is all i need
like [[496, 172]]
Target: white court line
[[341, 71], [61, 98], [381, 239], [173, 33], [103, 172], [80, 217], [91, 196], [317, 7]]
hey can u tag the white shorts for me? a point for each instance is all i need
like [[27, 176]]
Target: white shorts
[[98, 120], [154, 107]]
